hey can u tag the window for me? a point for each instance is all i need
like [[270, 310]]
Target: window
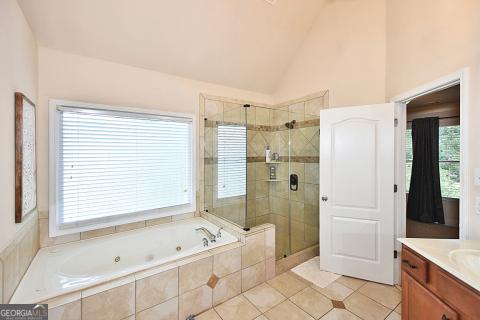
[[114, 166], [232, 161], [449, 160]]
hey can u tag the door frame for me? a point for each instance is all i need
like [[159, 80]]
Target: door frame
[[462, 78]]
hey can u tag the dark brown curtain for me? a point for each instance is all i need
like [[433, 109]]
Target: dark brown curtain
[[425, 196]]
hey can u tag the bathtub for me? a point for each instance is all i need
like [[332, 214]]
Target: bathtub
[[66, 268]]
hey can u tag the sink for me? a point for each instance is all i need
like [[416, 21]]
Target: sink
[[467, 259]]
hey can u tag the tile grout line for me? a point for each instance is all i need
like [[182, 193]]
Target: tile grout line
[[376, 300], [290, 299], [391, 310], [271, 307]]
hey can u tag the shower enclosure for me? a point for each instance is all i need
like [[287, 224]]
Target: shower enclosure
[[245, 187]]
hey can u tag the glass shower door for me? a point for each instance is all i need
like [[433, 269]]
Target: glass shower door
[[279, 195], [284, 190], [303, 159]]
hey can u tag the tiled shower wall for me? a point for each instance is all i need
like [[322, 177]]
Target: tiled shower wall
[[269, 201]]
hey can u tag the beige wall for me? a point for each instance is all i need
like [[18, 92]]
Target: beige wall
[[353, 47], [427, 40], [344, 52], [18, 65], [367, 52], [72, 77]]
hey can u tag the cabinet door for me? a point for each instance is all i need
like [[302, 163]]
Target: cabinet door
[[421, 304]]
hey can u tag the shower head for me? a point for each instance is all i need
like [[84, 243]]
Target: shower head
[[290, 124]]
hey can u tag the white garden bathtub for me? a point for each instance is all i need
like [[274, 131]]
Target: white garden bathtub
[[69, 267]]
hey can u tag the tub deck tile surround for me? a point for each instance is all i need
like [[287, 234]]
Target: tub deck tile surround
[[96, 233], [130, 226], [195, 301], [69, 311], [227, 262], [253, 251], [227, 288], [195, 274], [64, 300], [116, 303], [16, 257], [46, 241], [270, 268], [167, 310], [177, 289], [156, 289], [253, 276]]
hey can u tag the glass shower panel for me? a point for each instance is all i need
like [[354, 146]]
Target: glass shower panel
[[304, 167], [225, 158], [267, 182]]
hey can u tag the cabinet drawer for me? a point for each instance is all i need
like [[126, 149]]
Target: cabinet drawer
[[414, 265], [421, 304], [457, 295]]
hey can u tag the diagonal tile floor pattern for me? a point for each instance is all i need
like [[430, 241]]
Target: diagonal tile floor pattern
[[289, 297]]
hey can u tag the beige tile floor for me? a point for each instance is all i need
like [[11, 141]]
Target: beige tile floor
[[289, 297]]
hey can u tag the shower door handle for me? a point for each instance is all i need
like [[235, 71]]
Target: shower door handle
[[324, 198], [293, 182]]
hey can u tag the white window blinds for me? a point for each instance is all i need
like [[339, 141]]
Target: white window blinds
[[232, 160], [112, 164]]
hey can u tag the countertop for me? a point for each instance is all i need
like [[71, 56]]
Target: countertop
[[438, 251]]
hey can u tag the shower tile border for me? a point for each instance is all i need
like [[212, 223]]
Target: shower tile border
[[263, 128], [283, 159]]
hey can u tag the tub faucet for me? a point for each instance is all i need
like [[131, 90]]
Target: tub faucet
[[219, 233], [209, 235]]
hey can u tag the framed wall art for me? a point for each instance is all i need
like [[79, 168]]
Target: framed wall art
[[25, 157]]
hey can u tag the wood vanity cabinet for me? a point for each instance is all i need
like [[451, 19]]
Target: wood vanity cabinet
[[430, 293]]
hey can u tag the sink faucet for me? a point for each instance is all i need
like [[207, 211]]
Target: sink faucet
[[207, 233]]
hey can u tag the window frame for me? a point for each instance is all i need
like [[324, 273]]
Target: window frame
[[407, 161], [54, 130]]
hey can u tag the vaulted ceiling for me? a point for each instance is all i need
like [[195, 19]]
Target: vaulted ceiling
[[246, 44]]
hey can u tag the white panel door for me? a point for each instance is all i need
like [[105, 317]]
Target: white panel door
[[356, 191]]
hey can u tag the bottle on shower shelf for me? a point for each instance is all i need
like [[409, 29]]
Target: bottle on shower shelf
[[268, 154]]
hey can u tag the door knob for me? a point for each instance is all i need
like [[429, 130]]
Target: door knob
[[324, 198]]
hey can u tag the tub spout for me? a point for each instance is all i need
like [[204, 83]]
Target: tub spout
[[207, 233]]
